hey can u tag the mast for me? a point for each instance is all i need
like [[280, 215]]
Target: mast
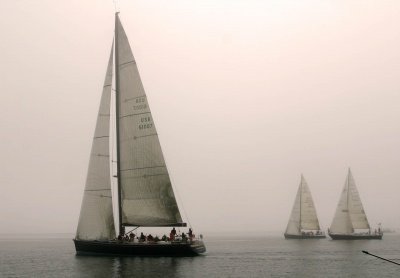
[[347, 202], [348, 188], [301, 193], [121, 227]]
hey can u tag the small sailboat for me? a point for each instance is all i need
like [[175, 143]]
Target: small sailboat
[[350, 220], [303, 221], [145, 194]]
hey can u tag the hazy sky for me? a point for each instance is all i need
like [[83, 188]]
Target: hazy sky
[[246, 96]]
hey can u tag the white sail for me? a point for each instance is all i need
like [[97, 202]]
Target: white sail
[[350, 213], [341, 223], [147, 198], [304, 214], [309, 219], [293, 226], [356, 210], [96, 220]]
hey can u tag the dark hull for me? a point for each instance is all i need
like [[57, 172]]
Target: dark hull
[[355, 236], [88, 247], [289, 236]]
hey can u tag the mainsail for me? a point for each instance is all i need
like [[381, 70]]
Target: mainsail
[[304, 215], [96, 220], [146, 194], [350, 213]]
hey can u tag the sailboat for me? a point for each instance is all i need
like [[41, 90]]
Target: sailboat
[[145, 194], [303, 221], [350, 220]]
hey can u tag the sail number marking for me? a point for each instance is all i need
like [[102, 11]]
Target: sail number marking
[[140, 104], [145, 123]]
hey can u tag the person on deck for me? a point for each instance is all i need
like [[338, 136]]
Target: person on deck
[[172, 234], [142, 237], [131, 237], [190, 233], [184, 238]]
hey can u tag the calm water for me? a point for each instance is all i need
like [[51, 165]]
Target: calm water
[[270, 256]]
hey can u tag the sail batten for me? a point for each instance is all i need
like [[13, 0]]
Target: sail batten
[[350, 214], [147, 197], [96, 221]]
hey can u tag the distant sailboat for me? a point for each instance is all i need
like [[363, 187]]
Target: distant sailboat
[[303, 221], [145, 193], [350, 220]]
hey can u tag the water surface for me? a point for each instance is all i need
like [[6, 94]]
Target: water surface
[[269, 256]]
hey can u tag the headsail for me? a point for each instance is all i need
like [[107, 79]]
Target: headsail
[[350, 213], [304, 215], [96, 220], [357, 214], [147, 197], [309, 219], [293, 226]]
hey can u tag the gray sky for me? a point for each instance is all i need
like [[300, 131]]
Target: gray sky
[[246, 96]]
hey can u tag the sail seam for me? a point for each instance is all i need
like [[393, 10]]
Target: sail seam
[[150, 167], [143, 198], [128, 99], [136, 137], [101, 196], [130, 115], [145, 176], [123, 64]]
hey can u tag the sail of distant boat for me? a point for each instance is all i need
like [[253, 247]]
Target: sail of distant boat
[[350, 214], [303, 219], [350, 218]]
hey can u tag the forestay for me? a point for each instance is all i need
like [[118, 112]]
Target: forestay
[[147, 198], [96, 220]]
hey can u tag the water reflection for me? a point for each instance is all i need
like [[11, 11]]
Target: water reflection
[[146, 266], [336, 258], [130, 266]]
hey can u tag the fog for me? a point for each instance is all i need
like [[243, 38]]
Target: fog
[[246, 97]]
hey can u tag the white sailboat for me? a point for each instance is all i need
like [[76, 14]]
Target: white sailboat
[[303, 222], [145, 194], [350, 220]]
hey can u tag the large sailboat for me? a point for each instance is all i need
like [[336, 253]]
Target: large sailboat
[[303, 221], [145, 194], [350, 220]]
